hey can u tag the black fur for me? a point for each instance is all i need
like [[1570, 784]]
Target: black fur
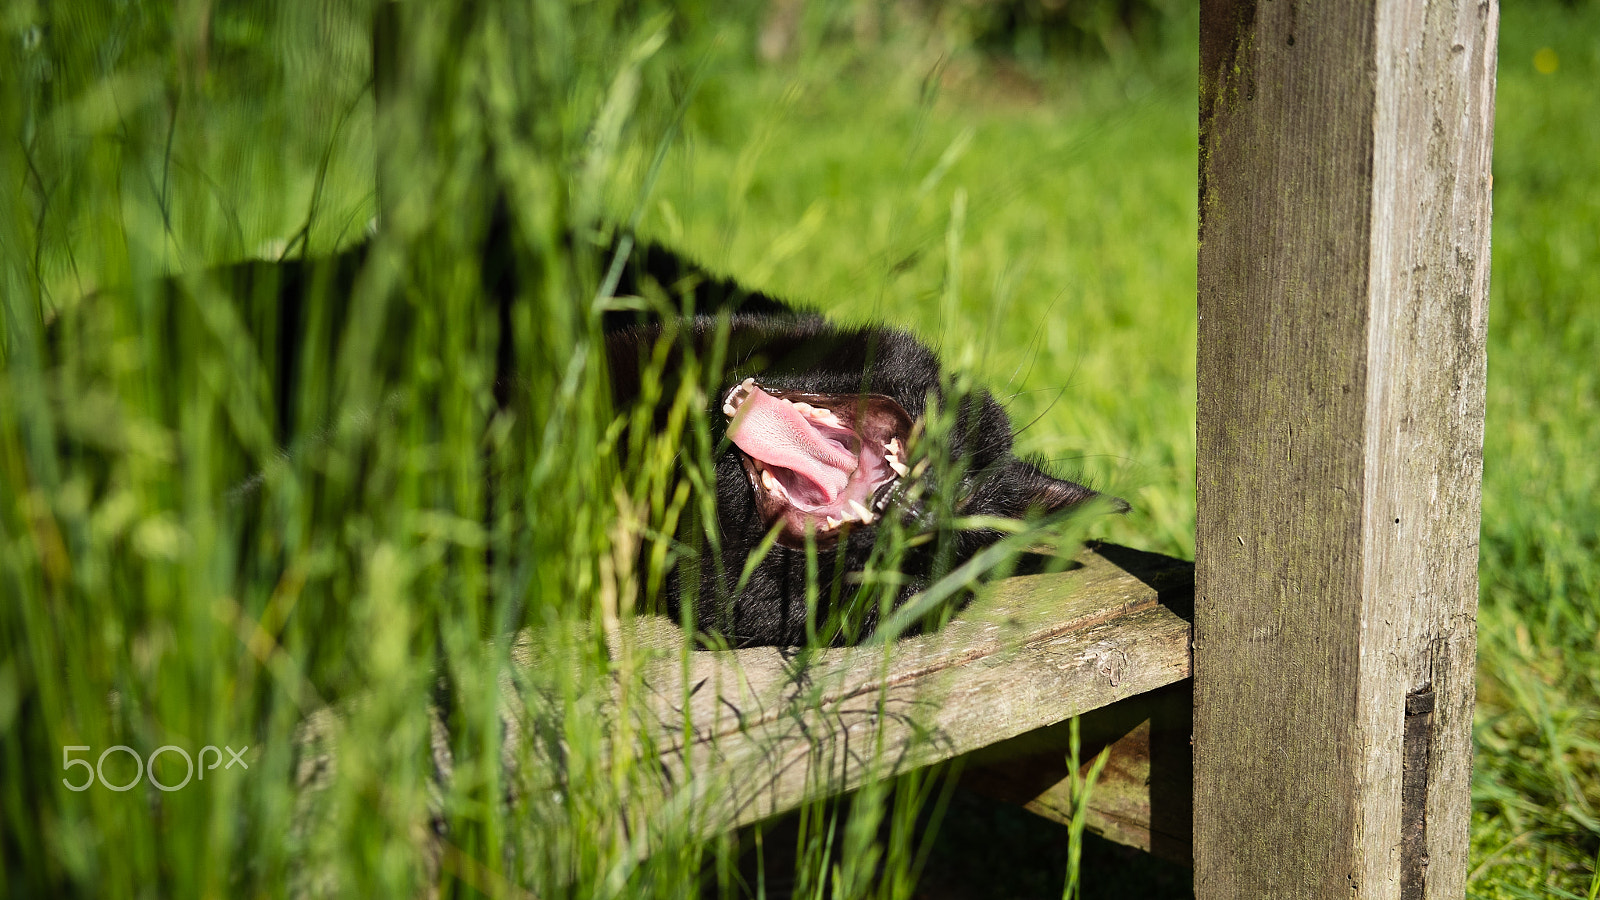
[[784, 349], [789, 349]]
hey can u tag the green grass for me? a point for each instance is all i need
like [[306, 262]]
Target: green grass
[[1537, 771], [1034, 221], [1067, 199]]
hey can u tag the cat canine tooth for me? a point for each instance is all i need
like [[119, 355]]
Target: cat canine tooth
[[830, 523], [893, 447], [864, 514], [737, 395], [770, 483], [898, 466]]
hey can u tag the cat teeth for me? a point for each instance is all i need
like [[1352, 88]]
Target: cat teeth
[[770, 483], [816, 413], [891, 458], [862, 514], [737, 396], [742, 390], [853, 512]]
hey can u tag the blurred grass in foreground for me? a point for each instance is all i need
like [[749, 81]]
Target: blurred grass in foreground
[[228, 512], [222, 516], [1033, 220]]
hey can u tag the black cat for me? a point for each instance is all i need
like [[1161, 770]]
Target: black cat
[[824, 429], [822, 423]]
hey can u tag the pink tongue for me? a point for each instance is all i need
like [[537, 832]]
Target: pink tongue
[[776, 434]]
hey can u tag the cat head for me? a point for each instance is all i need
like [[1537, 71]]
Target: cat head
[[827, 442], [827, 423]]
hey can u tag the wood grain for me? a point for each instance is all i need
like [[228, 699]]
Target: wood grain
[[1343, 285], [752, 733], [717, 739]]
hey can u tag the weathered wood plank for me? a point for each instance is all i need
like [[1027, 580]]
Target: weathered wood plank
[[1343, 270], [738, 736], [767, 734], [746, 734]]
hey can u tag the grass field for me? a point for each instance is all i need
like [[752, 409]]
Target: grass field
[[1033, 218]]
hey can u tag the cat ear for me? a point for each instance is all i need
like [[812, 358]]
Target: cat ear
[[1039, 491]]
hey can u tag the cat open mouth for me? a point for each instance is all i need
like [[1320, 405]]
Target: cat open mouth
[[817, 461]]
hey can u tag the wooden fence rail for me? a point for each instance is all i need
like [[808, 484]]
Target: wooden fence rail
[[742, 735]]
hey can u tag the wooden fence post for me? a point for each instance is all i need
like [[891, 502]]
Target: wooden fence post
[[1343, 274]]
